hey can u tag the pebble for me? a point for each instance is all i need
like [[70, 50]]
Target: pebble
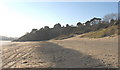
[[25, 62]]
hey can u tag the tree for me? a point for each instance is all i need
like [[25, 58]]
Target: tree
[[95, 21], [109, 17], [79, 24], [42, 28], [33, 30], [46, 27], [112, 21], [87, 23], [63, 26], [67, 25], [58, 25]]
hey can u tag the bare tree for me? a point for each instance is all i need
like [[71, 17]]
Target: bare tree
[[109, 17]]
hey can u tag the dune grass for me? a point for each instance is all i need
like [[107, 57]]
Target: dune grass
[[113, 30]]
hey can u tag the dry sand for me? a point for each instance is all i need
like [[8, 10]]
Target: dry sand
[[69, 53]]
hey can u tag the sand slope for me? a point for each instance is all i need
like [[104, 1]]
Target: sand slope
[[69, 53]]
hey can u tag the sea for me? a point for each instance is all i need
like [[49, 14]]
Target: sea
[[4, 42]]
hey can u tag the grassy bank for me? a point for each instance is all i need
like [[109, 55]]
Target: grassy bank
[[110, 31]]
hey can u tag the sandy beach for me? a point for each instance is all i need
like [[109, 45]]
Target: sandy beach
[[74, 52]]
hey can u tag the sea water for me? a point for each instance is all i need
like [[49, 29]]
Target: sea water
[[4, 42]]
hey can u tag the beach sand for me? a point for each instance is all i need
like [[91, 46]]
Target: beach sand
[[74, 52]]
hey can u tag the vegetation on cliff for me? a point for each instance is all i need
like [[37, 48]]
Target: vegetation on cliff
[[91, 25]]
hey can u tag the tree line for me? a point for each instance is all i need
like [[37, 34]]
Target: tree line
[[47, 33]]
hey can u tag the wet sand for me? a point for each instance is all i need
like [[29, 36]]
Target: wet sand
[[69, 53]]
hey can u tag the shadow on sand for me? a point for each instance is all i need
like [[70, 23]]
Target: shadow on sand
[[65, 57]]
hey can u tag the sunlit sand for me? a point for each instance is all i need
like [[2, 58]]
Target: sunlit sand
[[69, 53]]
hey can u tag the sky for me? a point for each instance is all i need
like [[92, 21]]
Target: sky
[[18, 18]]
